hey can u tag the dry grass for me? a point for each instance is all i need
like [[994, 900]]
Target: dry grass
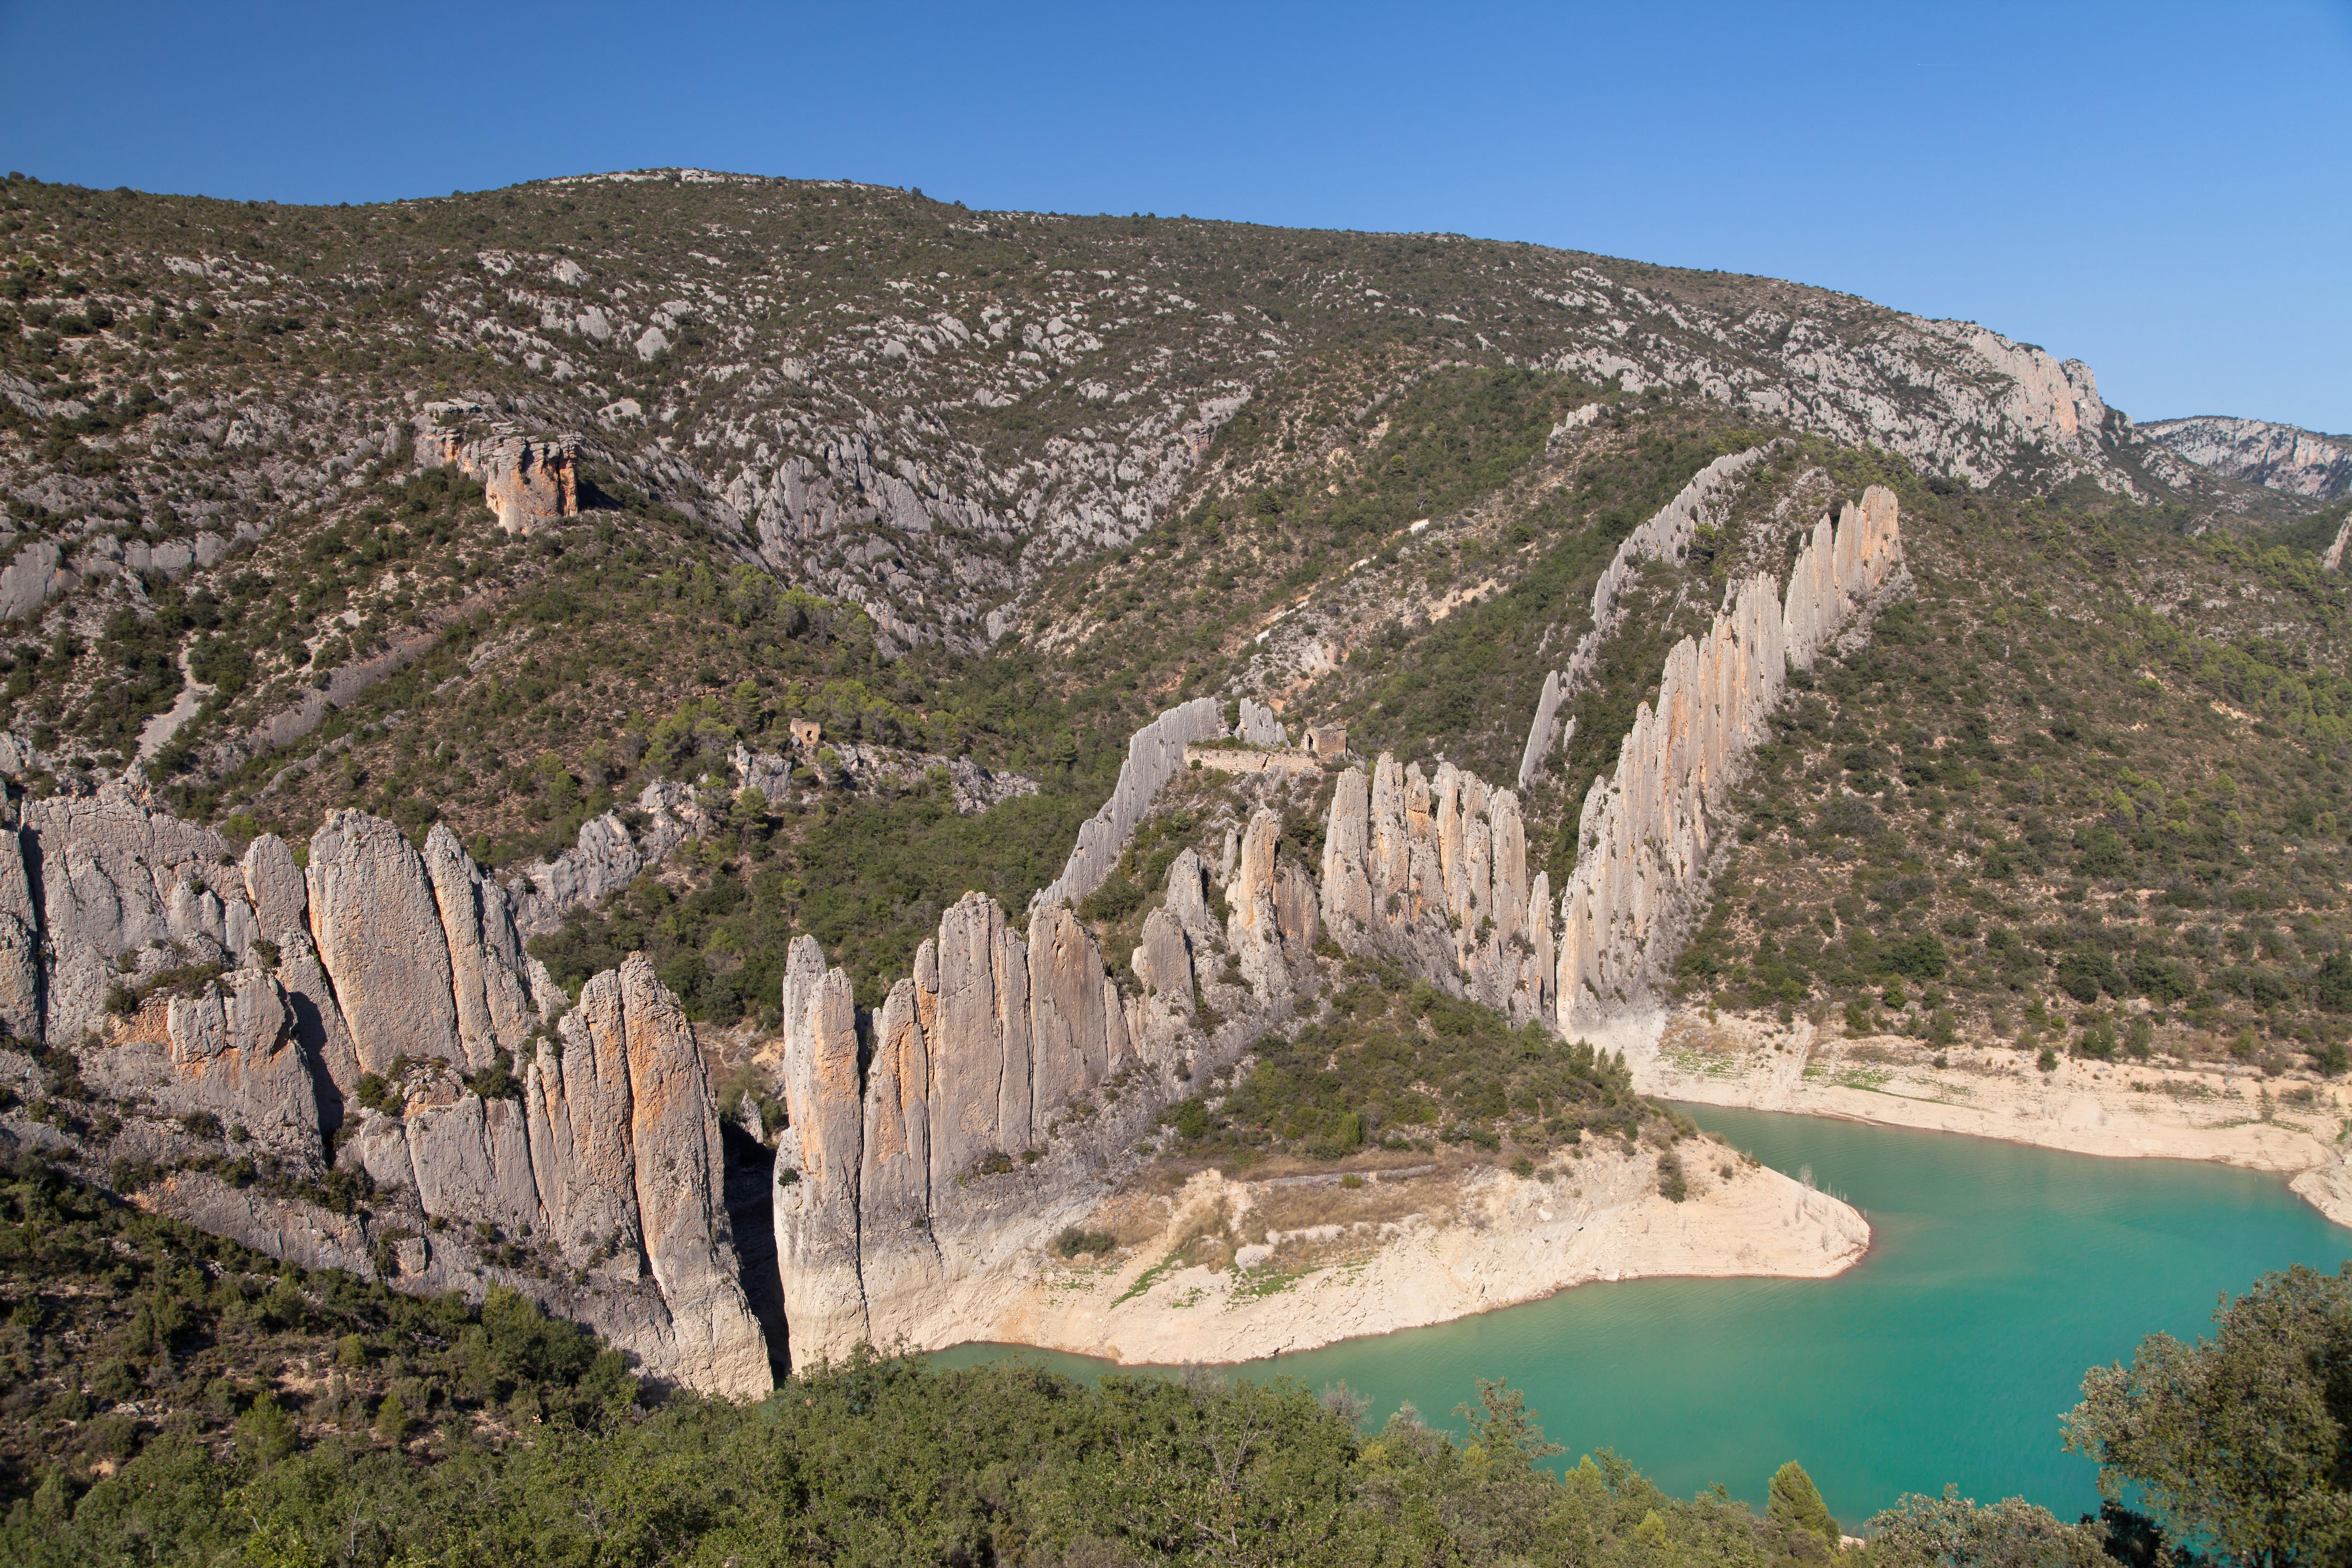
[[1276, 1209]]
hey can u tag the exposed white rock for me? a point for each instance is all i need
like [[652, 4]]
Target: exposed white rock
[[379, 936], [1155, 753], [1664, 536], [2281, 456], [1645, 834], [233, 1055]]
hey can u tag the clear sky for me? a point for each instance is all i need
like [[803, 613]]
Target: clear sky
[[2164, 191]]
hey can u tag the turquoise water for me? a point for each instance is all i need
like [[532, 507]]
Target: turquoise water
[[1996, 1274]]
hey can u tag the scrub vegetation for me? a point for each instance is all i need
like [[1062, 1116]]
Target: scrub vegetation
[[173, 1398]]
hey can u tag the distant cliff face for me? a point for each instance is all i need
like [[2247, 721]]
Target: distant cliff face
[[2280, 457]]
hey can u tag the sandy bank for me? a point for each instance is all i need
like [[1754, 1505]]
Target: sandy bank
[[1232, 1271], [2122, 1109]]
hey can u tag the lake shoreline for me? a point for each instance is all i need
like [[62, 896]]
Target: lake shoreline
[[1473, 1241], [2120, 1109]]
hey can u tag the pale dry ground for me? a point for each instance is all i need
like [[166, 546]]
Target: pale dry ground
[[1226, 1270], [2121, 1108]]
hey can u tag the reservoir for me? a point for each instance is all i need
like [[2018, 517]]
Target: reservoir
[[1997, 1273]]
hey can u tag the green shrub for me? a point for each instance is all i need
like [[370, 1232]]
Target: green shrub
[[1073, 1242]]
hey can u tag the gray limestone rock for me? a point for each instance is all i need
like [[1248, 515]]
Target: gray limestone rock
[[115, 879], [1069, 1027], [1155, 753], [817, 1216], [1647, 830], [380, 938], [495, 983], [472, 1162], [706, 1334], [233, 1052], [319, 1025], [275, 886], [20, 945]]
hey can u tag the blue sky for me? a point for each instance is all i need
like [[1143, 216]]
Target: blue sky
[[2163, 191]]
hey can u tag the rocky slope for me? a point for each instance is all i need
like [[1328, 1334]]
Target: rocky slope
[[2280, 457]]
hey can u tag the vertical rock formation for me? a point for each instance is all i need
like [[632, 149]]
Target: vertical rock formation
[[529, 483], [20, 945], [1432, 873], [643, 1154], [495, 984], [816, 1215], [603, 1158], [1258, 725], [974, 1056], [897, 1261], [1643, 835], [1666, 536], [378, 932], [115, 879], [234, 1057], [1155, 754]]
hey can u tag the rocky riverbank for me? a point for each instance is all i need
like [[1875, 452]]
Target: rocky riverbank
[[2124, 1108]]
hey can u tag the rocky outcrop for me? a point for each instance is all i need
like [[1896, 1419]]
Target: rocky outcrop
[[125, 893], [2278, 457], [973, 787], [976, 1056], [1665, 536], [1645, 834], [379, 934], [1259, 727], [1155, 754], [529, 482], [606, 858], [235, 1055], [816, 1214], [20, 945], [591, 1150], [626, 1130], [1432, 873]]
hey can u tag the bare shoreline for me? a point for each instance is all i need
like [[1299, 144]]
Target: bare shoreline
[[2121, 1109]]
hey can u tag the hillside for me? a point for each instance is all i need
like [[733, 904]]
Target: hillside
[[765, 766]]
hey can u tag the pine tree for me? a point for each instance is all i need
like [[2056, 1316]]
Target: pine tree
[[1797, 1503]]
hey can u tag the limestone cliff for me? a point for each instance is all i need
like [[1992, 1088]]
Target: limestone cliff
[[2280, 457], [232, 1008], [1666, 536], [1644, 833], [529, 482], [1155, 753], [974, 1057], [1432, 872]]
